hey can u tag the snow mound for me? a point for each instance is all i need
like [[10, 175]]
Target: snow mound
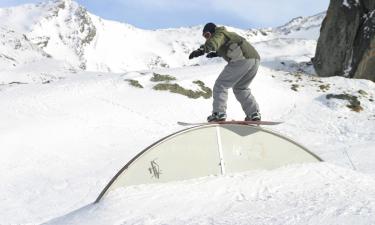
[[301, 194]]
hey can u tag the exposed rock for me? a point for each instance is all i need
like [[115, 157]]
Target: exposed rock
[[87, 28], [335, 45], [346, 46], [354, 103], [368, 4], [364, 50]]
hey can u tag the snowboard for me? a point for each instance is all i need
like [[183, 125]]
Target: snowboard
[[231, 122]]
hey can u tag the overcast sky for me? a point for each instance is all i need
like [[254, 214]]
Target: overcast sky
[[153, 14]]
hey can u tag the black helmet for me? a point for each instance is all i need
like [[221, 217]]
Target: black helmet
[[209, 27]]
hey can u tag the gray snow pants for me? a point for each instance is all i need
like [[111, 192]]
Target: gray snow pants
[[238, 76]]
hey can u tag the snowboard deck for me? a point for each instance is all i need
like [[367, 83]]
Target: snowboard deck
[[231, 122]]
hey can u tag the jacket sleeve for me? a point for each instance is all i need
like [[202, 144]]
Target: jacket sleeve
[[214, 43]]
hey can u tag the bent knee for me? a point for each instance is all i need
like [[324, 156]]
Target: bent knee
[[239, 90]]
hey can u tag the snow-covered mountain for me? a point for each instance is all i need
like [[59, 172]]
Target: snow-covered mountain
[[16, 49], [307, 27], [68, 32]]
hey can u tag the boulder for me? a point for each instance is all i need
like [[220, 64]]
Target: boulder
[[335, 44], [346, 45], [364, 50]]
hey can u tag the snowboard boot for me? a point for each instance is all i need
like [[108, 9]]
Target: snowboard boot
[[254, 117], [217, 116]]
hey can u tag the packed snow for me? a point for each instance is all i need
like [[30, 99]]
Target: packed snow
[[70, 120]]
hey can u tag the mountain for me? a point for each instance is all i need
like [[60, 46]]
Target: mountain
[[306, 27], [16, 49], [67, 32]]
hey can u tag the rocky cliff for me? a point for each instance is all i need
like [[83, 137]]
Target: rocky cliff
[[346, 46]]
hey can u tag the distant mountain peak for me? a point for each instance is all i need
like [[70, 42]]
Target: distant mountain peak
[[302, 23], [66, 31], [56, 6], [61, 3]]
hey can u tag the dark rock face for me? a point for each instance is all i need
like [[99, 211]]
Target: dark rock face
[[364, 50], [368, 4], [346, 46]]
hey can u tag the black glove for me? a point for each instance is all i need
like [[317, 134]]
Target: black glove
[[212, 55], [196, 53]]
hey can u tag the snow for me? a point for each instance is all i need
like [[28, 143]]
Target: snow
[[345, 3], [65, 132], [23, 22], [78, 131], [303, 27], [349, 4], [259, 197]]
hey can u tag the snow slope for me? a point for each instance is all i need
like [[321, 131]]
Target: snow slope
[[77, 132], [261, 197], [65, 131]]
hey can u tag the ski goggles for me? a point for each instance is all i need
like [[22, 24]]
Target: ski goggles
[[207, 35]]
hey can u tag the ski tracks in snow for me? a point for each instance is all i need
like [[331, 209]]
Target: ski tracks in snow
[[132, 111]]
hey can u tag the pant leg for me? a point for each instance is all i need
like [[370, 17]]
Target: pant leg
[[231, 74], [242, 91]]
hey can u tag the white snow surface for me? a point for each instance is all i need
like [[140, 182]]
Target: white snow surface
[[66, 131], [260, 197]]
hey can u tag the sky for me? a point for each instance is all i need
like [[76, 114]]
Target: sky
[[155, 14]]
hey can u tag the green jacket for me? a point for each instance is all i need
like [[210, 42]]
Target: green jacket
[[230, 46]]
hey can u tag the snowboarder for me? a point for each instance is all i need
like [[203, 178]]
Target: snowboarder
[[243, 62]]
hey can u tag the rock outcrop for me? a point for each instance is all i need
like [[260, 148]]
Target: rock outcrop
[[346, 46]]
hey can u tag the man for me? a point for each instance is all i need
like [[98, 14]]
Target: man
[[243, 62]]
